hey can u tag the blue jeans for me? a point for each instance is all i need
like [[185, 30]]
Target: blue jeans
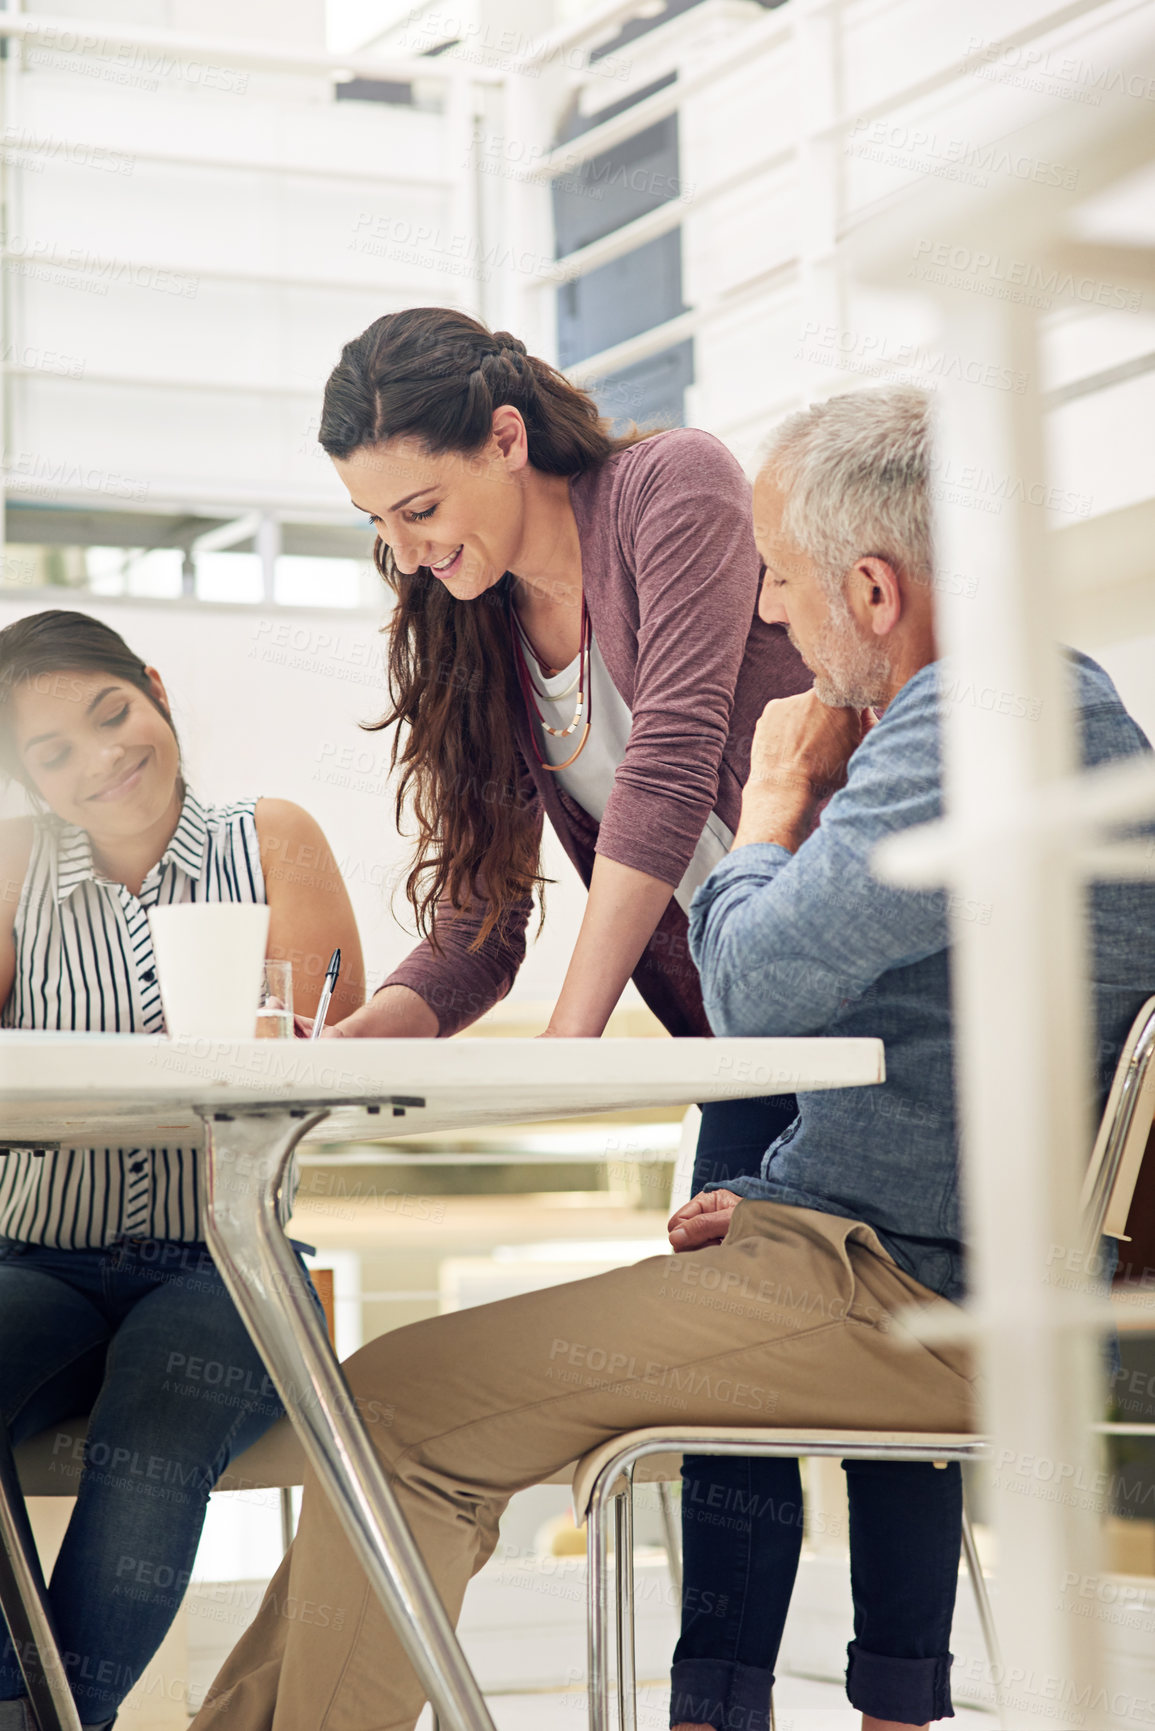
[[144, 1335], [742, 1534]]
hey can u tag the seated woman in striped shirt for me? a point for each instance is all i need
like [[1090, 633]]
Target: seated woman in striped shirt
[[107, 1293]]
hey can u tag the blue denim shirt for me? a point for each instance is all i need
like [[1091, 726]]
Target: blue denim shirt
[[811, 943]]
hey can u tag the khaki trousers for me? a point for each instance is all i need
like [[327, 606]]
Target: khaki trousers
[[789, 1321]]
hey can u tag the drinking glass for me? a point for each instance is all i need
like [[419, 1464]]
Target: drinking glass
[[275, 1005]]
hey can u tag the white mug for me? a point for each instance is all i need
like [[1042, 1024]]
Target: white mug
[[209, 957]]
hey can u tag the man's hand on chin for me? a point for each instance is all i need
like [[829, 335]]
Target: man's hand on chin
[[705, 1220], [798, 758]]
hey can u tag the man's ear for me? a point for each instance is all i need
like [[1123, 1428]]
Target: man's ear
[[875, 594]]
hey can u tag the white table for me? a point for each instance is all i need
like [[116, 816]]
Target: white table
[[255, 1100]]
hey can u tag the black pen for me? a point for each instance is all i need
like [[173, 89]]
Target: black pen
[[331, 973]]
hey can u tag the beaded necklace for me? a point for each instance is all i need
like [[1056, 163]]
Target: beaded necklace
[[530, 692]]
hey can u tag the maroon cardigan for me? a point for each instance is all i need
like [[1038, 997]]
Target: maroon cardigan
[[670, 573]]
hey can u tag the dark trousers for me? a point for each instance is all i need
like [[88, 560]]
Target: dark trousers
[[144, 1334], [742, 1534]]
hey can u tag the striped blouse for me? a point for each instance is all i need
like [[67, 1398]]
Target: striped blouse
[[84, 963]]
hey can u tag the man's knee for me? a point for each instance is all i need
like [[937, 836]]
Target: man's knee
[[412, 1385], [385, 1381]]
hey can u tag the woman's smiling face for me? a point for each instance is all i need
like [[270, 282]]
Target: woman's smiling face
[[459, 515], [97, 750]]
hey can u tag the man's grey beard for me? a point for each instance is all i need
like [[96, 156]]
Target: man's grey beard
[[855, 670]]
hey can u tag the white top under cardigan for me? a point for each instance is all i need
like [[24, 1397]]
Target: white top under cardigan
[[590, 779]]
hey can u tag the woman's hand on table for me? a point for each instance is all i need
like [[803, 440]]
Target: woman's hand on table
[[704, 1220], [303, 1029], [394, 1013]]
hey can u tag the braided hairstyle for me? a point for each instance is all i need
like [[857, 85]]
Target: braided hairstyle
[[437, 375]]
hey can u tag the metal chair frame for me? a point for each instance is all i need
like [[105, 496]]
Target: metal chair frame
[[605, 1483], [604, 1480]]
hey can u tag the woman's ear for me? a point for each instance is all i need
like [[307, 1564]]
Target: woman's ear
[[511, 437], [156, 687]]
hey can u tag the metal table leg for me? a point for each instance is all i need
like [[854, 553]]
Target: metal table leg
[[24, 1603], [247, 1157]]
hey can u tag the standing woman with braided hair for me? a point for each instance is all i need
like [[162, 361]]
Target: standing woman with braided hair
[[577, 636]]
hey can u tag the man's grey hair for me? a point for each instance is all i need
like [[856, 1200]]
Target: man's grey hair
[[856, 473]]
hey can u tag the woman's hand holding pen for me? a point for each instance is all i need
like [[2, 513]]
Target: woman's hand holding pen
[[303, 1028], [394, 1013]]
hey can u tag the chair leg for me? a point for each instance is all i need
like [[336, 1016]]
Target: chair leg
[[673, 1540], [288, 1525], [24, 1602], [983, 1606], [627, 1661], [598, 1615]]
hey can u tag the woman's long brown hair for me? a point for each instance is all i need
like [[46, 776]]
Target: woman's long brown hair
[[438, 375]]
